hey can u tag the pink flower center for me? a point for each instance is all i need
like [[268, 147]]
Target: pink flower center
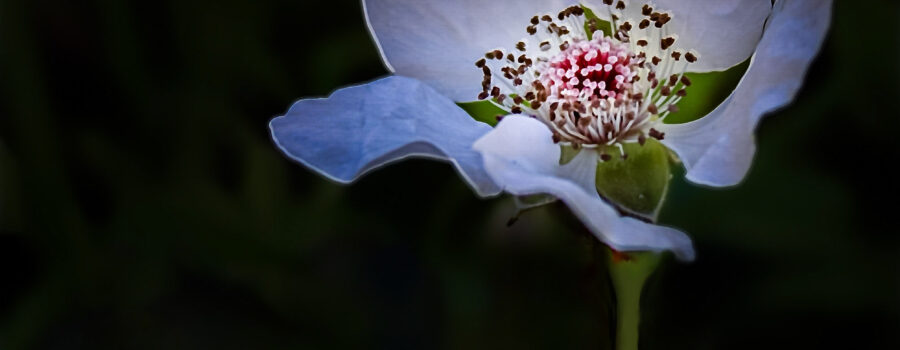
[[599, 67]]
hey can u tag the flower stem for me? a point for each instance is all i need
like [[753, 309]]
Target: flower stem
[[629, 271]]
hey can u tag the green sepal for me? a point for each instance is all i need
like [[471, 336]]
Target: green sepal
[[637, 183], [567, 153], [604, 26], [483, 111]]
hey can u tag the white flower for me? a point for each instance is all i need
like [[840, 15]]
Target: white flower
[[564, 84]]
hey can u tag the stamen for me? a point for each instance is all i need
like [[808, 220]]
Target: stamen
[[605, 91]]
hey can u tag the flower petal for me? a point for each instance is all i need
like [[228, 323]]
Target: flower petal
[[363, 127], [723, 32], [438, 41], [520, 156], [717, 150]]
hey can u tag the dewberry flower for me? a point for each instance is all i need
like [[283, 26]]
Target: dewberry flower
[[582, 90]]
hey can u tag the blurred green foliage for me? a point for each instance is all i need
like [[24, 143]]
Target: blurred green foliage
[[142, 204]]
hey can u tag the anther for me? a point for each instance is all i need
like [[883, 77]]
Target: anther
[[645, 23], [690, 57], [656, 134], [666, 42]]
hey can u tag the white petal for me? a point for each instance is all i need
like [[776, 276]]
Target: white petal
[[521, 157], [717, 150], [363, 127], [438, 41], [723, 32]]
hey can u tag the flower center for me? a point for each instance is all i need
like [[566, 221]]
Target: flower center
[[589, 88]]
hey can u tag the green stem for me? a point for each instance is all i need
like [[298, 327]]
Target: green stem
[[628, 273]]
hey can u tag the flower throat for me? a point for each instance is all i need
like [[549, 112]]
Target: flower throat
[[591, 89]]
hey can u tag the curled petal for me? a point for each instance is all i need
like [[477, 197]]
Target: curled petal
[[438, 41], [724, 32], [717, 150], [520, 156], [363, 127]]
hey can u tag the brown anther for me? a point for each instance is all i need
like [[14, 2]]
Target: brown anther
[[665, 91], [566, 106], [554, 106], [690, 57], [654, 16], [584, 122], [681, 93], [535, 105], [545, 46], [644, 24], [498, 54], [620, 5], [667, 42], [510, 57], [501, 98], [556, 138], [535, 20], [518, 100], [642, 139], [646, 10], [642, 42], [547, 18], [673, 79], [685, 80], [529, 96], [483, 95], [676, 55], [652, 109], [564, 46], [517, 82], [520, 46], [531, 30], [605, 157], [607, 2], [656, 134], [480, 63], [486, 70], [495, 91], [656, 60], [516, 110]]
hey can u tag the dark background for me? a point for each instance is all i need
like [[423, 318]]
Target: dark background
[[143, 205]]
